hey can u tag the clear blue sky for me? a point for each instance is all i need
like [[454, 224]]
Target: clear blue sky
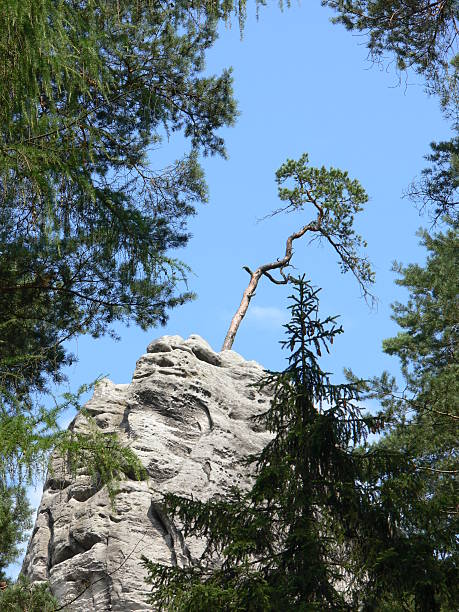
[[302, 85]]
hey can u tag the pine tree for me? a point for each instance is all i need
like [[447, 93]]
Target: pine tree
[[436, 191], [329, 199], [420, 34], [423, 415]]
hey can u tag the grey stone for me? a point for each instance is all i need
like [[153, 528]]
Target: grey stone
[[187, 415]]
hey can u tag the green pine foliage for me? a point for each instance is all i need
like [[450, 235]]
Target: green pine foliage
[[423, 417], [420, 34], [437, 189], [334, 198], [26, 597], [315, 527]]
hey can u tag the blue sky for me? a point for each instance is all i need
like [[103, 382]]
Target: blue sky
[[302, 85]]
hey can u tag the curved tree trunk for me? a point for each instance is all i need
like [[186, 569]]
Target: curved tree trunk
[[241, 311], [264, 270]]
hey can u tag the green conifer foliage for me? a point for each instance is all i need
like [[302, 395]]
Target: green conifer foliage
[[423, 417], [88, 216], [335, 199], [15, 515], [437, 189], [420, 33], [24, 596], [88, 212], [310, 533], [28, 434]]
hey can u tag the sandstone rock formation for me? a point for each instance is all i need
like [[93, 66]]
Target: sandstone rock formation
[[186, 414]]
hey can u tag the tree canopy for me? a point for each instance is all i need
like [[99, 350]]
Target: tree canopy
[[421, 34], [423, 413], [88, 216], [436, 191], [329, 199], [89, 210]]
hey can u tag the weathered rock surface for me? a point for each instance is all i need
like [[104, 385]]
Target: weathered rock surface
[[186, 414]]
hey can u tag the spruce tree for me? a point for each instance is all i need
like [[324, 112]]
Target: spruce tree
[[310, 532]]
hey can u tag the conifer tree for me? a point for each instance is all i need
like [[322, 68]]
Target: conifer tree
[[311, 532], [88, 217], [437, 190], [26, 597], [88, 211], [14, 522], [423, 417], [421, 414], [421, 34], [329, 199]]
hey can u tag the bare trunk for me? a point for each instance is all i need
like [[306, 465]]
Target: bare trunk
[[264, 270], [240, 312]]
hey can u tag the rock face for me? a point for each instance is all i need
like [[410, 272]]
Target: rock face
[[186, 414]]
